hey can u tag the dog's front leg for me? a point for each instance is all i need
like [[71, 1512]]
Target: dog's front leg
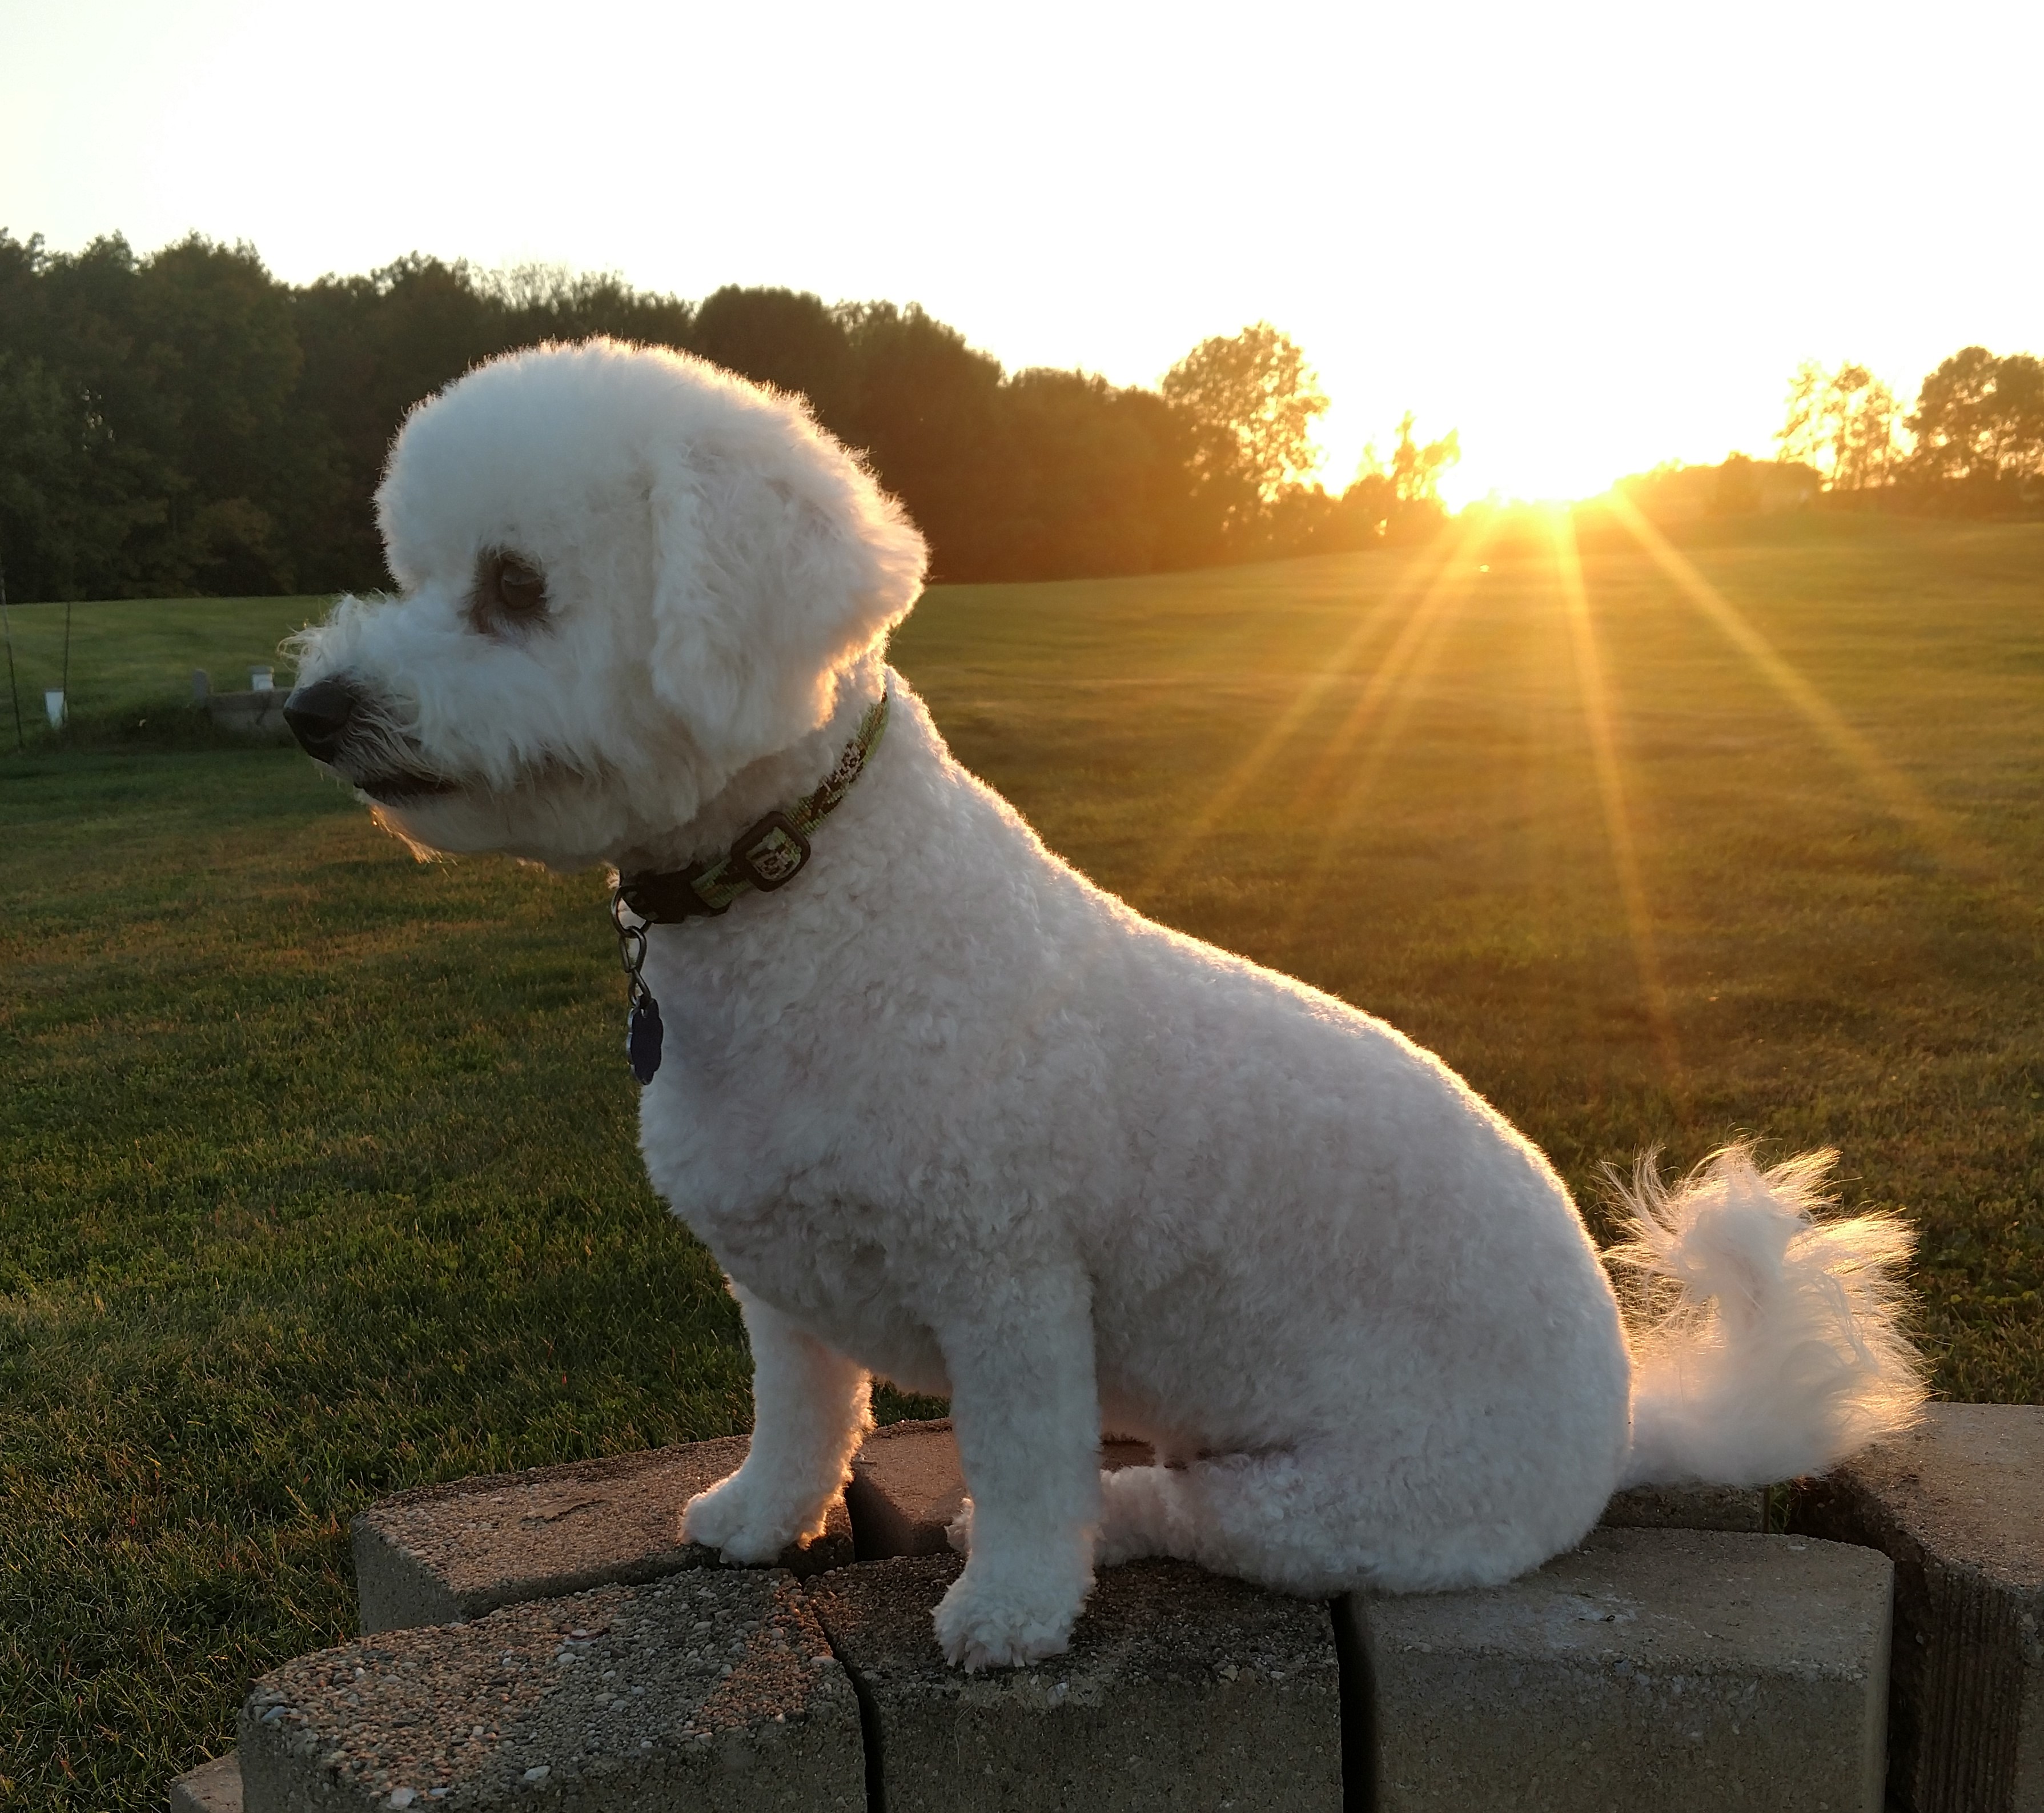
[[808, 1417], [1026, 1416]]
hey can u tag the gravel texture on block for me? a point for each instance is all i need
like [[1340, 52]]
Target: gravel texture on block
[[713, 1688], [1688, 1508], [212, 1788], [1651, 1670], [448, 1552], [1180, 1691], [907, 1487], [1958, 1506]]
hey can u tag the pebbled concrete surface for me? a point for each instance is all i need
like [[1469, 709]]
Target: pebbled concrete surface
[[1180, 1691], [714, 1688], [1958, 1505], [455, 1551], [1688, 1508], [1649, 1670]]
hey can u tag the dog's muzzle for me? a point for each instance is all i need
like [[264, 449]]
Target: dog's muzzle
[[322, 715]]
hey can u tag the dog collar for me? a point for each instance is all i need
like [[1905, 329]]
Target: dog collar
[[766, 856]]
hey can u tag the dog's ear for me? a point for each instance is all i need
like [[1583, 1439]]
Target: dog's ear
[[772, 571]]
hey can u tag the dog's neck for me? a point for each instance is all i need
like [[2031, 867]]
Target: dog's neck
[[764, 786]]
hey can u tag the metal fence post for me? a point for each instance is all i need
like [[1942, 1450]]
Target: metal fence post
[[6, 623]]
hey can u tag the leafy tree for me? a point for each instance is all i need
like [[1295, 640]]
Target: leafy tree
[[1250, 401], [789, 338], [1844, 424], [1980, 419], [1414, 471], [183, 421]]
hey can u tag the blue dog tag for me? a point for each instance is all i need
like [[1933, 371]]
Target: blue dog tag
[[641, 1038]]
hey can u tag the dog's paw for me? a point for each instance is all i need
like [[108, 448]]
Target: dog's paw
[[1004, 1620], [729, 1518], [958, 1533]]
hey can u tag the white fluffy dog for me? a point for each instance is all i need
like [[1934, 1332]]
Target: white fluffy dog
[[946, 1112]]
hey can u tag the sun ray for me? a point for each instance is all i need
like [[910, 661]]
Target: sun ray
[[1895, 789], [1595, 698], [1420, 635], [1437, 558], [1385, 705]]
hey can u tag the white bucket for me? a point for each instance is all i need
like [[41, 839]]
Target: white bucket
[[53, 702], [262, 679]]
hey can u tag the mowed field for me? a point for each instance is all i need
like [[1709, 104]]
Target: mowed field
[[319, 1177]]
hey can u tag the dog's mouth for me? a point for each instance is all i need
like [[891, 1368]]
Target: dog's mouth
[[400, 786]]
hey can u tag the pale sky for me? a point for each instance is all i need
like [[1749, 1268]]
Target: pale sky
[[1590, 237]]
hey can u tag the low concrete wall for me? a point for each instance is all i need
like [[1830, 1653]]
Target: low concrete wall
[[257, 714], [1959, 1507], [713, 1688], [455, 1551], [1656, 1668], [1180, 1693], [1649, 1669]]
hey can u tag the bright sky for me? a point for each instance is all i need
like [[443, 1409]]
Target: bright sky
[[1591, 237]]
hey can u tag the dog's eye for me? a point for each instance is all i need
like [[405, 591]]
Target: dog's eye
[[508, 590]]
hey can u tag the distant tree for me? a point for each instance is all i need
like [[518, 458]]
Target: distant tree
[[788, 338], [1251, 402], [1415, 470], [1394, 498], [1845, 423], [929, 416], [185, 422], [1095, 480], [1980, 419], [1736, 489]]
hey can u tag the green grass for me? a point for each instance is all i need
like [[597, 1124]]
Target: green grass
[[133, 658], [319, 1177]]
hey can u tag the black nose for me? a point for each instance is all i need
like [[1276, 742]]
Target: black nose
[[318, 715]]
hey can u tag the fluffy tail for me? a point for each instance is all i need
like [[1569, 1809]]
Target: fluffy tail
[[1765, 1343]]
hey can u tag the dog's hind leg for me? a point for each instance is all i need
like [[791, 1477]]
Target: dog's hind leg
[[810, 1414], [1314, 1520]]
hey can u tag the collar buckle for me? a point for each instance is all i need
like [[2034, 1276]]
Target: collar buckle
[[771, 854]]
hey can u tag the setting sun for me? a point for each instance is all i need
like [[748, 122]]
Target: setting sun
[[1590, 238]]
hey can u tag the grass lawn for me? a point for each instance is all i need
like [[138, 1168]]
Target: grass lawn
[[319, 1174], [133, 658]]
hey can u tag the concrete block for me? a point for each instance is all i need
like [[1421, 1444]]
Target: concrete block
[[212, 1788], [1651, 1670], [1958, 1506], [251, 714], [1688, 1508], [1180, 1692], [443, 1553], [907, 1487], [712, 1689]]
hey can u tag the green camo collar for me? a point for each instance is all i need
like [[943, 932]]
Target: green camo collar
[[767, 856]]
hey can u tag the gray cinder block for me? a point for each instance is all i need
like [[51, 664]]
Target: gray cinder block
[[212, 1788], [907, 1487], [1180, 1692], [1688, 1508], [1958, 1506], [442, 1552], [712, 1689], [1652, 1670]]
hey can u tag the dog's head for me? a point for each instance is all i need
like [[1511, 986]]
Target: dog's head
[[625, 576]]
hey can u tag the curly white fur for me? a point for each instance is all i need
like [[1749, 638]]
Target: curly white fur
[[946, 1112]]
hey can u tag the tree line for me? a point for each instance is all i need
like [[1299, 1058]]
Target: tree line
[[1973, 446], [185, 423]]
